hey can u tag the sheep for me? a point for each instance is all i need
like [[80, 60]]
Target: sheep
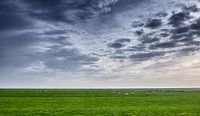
[[147, 93], [154, 92], [113, 92], [43, 91], [133, 93], [126, 94]]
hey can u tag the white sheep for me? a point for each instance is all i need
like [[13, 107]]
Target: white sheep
[[133, 93], [126, 94], [147, 93], [113, 92]]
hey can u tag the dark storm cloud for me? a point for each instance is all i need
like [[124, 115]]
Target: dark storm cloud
[[136, 24], [171, 44], [64, 59], [148, 39], [176, 37], [13, 41], [180, 36], [123, 40], [64, 39], [55, 32], [11, 17], [153, 23], [124, 5], [136, 48], [17, 45], [146, 56], [61, 40], [186, 51], [186, 34], [68, 11], [47, 10], [14, 35], [161, 14], [164, 34], [119, 43], [116, 45], [192, 8], [119, 57], [178, 18], [181, 30], [58, 37], [13, 48], [139, 32], [196, 25]]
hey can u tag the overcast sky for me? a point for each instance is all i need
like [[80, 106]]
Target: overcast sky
[[99, 43]]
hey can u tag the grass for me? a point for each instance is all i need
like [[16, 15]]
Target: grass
[[175, 102]]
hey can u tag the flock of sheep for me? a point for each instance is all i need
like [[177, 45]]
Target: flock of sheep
[[132, 93], [119, 93]]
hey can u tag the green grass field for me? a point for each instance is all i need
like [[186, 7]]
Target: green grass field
[[173, 102]]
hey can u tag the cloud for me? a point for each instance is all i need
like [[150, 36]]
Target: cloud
[[145, 56], [115, 45], [123, 40], [148, 39], [195, 25], [119, 43], [178, 18], [171, 44], [13, 46], [98, 42], [180, 30], [161, 14], [37, 67], [72, 11], [12, 18], [153, 23], [136, 24]]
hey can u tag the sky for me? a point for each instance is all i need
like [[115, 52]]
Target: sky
[[99, 43]]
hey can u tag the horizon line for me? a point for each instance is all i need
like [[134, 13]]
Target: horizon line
[[100, 87]]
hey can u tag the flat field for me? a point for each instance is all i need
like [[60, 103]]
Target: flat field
[[110, 102]]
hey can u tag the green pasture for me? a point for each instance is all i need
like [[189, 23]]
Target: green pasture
[[110, 102]]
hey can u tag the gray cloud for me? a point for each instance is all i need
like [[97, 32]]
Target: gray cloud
[[178, 18], [12, 18], [146, 56], [116, 45], [13, 48], [164, 45], [153, 23], [119, 43], [83, 40]]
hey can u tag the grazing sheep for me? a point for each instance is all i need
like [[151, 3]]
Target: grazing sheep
[[154, 92], [113, 92], [147, 93], [43, 91], [133, 93], [126, 94]]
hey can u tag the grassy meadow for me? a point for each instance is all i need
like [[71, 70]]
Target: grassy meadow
[[110, 102]]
